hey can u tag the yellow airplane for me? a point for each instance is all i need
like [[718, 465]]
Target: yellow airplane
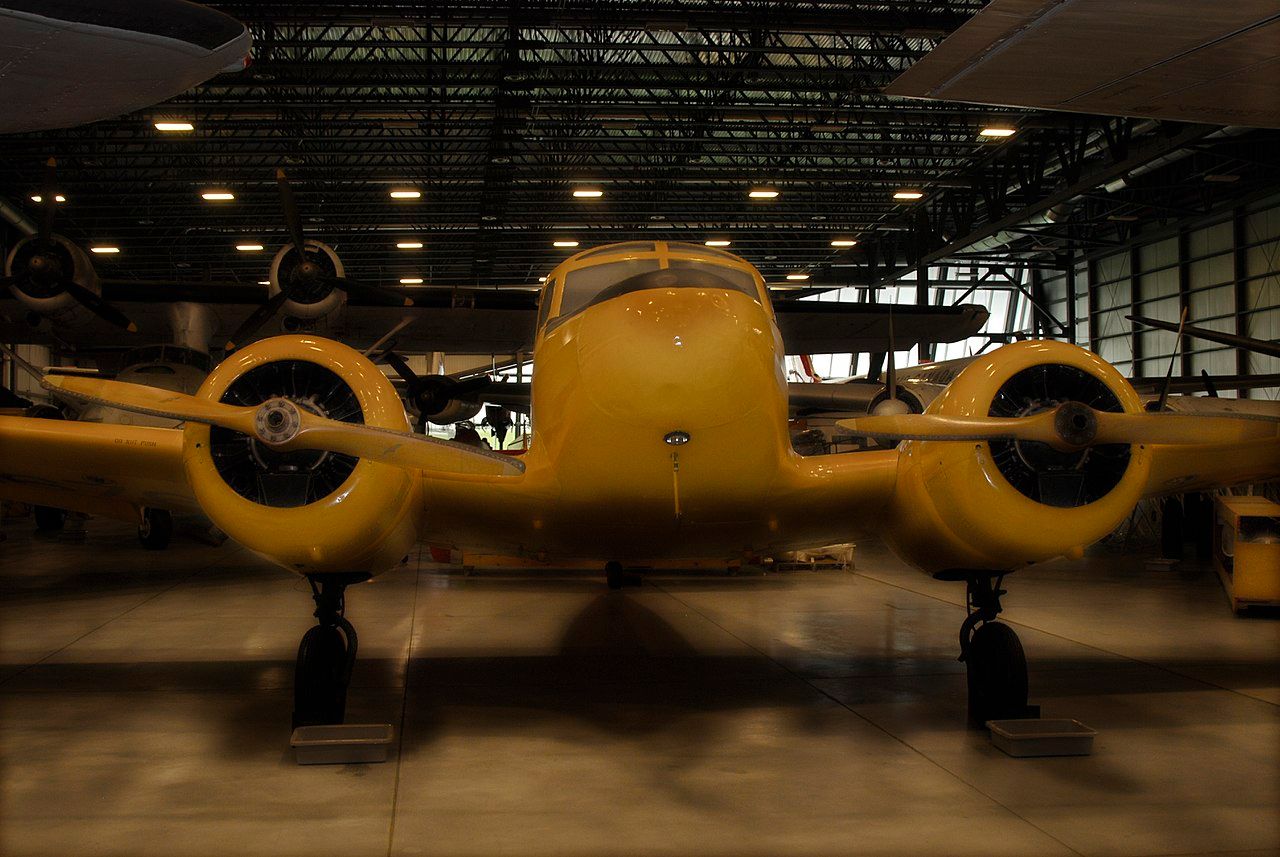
[[660, 431]]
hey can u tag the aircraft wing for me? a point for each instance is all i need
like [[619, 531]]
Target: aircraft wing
[[1213, 63], [96, 468], [1218, 462], [814, 327]]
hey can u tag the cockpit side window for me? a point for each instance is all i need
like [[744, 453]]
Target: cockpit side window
[[544, 303]]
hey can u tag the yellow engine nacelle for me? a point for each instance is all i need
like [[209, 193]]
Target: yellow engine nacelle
[[312, 512], [1000, 505]]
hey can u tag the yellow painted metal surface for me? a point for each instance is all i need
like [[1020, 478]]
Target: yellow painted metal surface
[[953, 508], [660, 433], [366, 525], [100, 469], [1247, 550]]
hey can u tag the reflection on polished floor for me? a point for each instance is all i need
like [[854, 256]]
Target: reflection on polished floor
[[145, 697]]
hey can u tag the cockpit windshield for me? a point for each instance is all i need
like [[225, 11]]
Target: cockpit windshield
[[642, 265]]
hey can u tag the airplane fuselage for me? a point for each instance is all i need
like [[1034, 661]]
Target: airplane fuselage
[[660, 431]]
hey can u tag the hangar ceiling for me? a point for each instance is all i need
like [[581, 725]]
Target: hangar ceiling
[[497, 111]]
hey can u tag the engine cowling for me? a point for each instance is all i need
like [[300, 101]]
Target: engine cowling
[[1003, 504], [310, 302], [49, 300], [310, 511]]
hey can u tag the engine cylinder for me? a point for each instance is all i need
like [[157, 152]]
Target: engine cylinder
[[1005, 504], [310, 511]]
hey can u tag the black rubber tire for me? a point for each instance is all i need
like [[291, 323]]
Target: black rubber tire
[[156, 529], [614, 575], [49, 519], [997, 669], [1172, 530], [320, 678]]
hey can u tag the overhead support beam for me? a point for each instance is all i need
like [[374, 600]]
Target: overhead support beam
[[1068, 193]]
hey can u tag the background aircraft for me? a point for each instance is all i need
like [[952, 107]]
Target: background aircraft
[[660, 431]]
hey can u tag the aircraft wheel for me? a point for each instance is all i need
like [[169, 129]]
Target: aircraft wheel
[[997, 670], [49, 519], [156, 529], [320, 678], [614, 575]]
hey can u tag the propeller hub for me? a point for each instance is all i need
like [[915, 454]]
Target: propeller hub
[[43, 267], [277, 421], [1075, 424]]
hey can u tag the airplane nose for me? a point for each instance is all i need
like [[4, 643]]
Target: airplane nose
[[676, 358]]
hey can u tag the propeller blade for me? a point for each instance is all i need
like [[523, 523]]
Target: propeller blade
[[892, 382], [1209, 386], [256, 320], [1173, 358], [1070, 426], [402, 368], [291, 217], [44, 238], [373, 294], [281, 424], [152, 401], [1248, 343], [91, 301]]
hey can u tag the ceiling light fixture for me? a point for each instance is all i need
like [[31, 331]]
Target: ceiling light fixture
[[797, 276], [408, 245], [717, 243], [173, 126], [763, 193], [406, 194], [248, 248], [542, 279], [105, 248], [57, 197], [997, 131], [843, 242], [564, 244], [264, 282], [217, 195], [907, 194], [588, 193], [410, 281]]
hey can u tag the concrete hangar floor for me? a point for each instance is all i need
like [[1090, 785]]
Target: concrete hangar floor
[[145, 697]]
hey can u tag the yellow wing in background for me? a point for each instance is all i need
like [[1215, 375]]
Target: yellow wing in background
[[99, 469]]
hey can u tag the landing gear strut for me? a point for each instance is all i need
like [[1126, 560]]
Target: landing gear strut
[[997, 666], [325, 656]]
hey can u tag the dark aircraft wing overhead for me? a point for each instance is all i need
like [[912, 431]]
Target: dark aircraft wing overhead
[[70, 62], [1186, 60], [813, 327], [485, 321]]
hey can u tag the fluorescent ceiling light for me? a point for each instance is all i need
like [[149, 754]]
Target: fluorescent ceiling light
[[997, 131], [542, 279], [264, 282], [408, 245], [797, 276], [57, 197], [588, 193], [762, 193], [907, 194], [843, 242], [248, 248], [564, 243], [217, 195], [410, 281], [105, 248], [405, 194], [717, 243], [174, 126]]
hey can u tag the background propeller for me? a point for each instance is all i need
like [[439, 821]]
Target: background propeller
[[432, 394], [48, 268], [309, 279]]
